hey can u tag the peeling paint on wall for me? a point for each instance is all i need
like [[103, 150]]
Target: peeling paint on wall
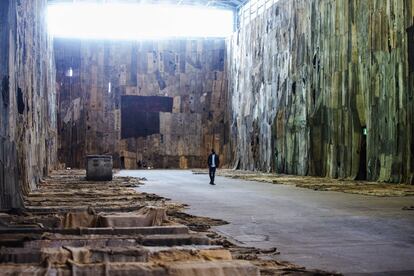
[[27, 103], [189, 73], [309, 77]]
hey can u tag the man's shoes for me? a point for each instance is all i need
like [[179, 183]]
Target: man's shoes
[[211, 183]]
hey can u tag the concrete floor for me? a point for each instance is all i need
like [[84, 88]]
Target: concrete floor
[[325, 230]]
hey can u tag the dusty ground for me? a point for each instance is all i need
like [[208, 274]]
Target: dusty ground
[[334, 231], [60, 231], [266, 260], [321, 184]]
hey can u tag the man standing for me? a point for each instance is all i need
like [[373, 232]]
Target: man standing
[[213, 163]]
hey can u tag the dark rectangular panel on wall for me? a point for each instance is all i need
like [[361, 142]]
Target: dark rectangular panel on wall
[[139, 124], [147, 103], [140, 115]]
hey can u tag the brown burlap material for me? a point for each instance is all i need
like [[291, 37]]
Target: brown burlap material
[[146, 216], [78, 219], [214, 268]]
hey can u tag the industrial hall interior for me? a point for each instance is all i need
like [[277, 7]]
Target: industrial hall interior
[[206, 137]]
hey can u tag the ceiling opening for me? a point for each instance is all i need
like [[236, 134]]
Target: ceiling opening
[[137, 21]]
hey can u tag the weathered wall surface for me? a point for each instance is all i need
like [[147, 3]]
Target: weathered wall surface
[[165, 107], [309, 76], [27, 99]]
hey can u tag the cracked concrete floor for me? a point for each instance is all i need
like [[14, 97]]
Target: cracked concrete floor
[[334, 231]]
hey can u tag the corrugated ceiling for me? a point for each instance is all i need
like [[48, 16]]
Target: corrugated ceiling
[[229, 4]]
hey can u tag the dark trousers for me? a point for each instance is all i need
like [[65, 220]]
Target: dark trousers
[[212, 173]]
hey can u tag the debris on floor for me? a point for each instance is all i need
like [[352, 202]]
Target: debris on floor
[[320, 183], [71, 226], [195, 223]]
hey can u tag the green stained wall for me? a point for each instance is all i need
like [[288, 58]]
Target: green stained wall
[[306, 78]]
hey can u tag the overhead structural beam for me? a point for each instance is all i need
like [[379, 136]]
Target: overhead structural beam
[[232, 4]]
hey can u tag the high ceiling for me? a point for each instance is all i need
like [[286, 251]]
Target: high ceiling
[[229, 4]]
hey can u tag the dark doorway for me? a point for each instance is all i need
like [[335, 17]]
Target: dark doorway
[[122, 163], [362, 172], [410, 37]]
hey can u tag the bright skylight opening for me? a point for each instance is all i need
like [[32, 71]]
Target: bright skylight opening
[[137, 21]]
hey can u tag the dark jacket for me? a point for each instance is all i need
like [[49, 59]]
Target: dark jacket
[[216, 160]]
